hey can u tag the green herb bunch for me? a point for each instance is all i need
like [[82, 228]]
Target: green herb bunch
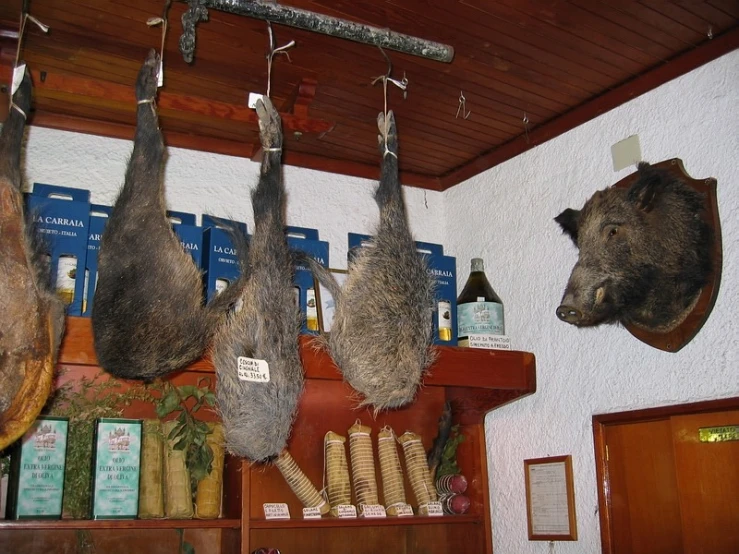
[[448, 464], [189, 434]]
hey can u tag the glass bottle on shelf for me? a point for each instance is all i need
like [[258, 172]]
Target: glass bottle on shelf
[[479, 308]]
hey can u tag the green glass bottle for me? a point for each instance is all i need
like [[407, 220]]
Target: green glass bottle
[[479, 308]]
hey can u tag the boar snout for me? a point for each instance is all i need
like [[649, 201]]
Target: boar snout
[[569, 314]]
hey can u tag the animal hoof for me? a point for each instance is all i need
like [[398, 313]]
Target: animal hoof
[[270, 125], [146, 85]]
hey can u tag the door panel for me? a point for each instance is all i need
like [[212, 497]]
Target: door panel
[[645, 514], [708, 473]]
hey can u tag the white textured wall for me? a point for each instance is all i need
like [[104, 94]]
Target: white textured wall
[[505, 216], [200, 182]]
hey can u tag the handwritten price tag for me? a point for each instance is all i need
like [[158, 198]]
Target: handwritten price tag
[[312, 513], [434, 509], [18, 74], [372, 510], [404, 510], [346, 510], [256, 371], [276, 511]]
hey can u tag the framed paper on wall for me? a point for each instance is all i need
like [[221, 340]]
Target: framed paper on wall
[[326, 304], [550, 499]]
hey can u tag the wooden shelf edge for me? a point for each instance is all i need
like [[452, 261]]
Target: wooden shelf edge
[[361, 522], [58, 524], [456, 367]]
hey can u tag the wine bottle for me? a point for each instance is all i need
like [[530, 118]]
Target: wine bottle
[[479, 308]]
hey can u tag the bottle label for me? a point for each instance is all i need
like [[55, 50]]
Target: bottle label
[[445, 314], [480, 318]]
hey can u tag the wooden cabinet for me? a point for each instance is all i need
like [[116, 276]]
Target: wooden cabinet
[[475, 381]]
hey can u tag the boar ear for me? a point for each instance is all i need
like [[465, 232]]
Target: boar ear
[[647, 187], [569, 221]]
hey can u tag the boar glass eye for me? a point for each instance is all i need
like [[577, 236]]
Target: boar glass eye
[[611, 230]]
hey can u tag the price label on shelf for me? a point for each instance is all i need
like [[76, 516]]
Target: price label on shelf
[[372, 510], [312, 513], [276, 510], [346, 510], [434, 509], [404, 510]]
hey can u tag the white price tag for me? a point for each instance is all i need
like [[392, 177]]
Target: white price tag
[[276, 511], [490, 342], [18, 74], [346, 510], [253, 97], [404, 510], [312, 513], [253, 370], [372, 510], [434, 509]]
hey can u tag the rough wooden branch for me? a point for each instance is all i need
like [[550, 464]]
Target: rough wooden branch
[[333, 26]]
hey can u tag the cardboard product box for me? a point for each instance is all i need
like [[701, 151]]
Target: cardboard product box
[[62, 215], [116, 470], [220, 258], [36, 484], [190, 235], [444, 270], [99, 215], [306, 240]]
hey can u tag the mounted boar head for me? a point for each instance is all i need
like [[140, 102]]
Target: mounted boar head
[[645, 254]]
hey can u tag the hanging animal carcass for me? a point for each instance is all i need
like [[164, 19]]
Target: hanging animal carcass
[[149, 318], [32, 319], [645, 254], [382, 329], [256, 353]]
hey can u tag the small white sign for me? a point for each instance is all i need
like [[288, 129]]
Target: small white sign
[[404, 510], [434, 509], [346, 510], [253, 370], [490, 342], [276, 511], [312, 513], [18, 74], [253, 97], [372, 510]]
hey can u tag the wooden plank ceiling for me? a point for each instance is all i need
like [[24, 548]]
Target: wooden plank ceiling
[[529, 70]]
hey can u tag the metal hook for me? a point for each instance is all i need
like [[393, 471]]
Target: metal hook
[[273, 49], [526, 126], [462, 106]]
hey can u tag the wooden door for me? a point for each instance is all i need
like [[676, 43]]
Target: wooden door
[[664, 491]]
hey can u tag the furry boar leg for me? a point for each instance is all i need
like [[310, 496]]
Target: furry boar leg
[[148, 317], [32, 319], [381, 334], [257, 410]]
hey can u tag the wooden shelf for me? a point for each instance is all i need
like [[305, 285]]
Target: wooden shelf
[[360, 522], [121, 524]]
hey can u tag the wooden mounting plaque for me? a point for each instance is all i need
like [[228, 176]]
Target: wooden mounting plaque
[[674, 340]]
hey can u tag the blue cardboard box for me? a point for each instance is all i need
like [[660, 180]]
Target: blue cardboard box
[[306, 240], [62, 215], [220, 258], [444, 270], [190, 235], [99, 215]]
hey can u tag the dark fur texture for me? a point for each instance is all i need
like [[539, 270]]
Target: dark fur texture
[[382, 329], [31, 316], [257, 417], [645, 254], [149, 317]]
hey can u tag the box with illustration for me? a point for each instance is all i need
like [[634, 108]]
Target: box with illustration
[[444, 271], [190, 235], [36, 483], [117, 466], [306, 240], [220, 257], [61, 217], [99, 215]]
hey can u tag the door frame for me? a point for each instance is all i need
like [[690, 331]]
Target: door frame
[[601, 421]]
